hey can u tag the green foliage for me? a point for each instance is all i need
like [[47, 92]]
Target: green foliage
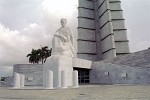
[[39, 55]]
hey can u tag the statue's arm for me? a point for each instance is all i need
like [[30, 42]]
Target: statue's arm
[[60, 36]]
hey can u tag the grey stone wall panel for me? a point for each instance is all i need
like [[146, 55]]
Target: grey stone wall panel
[[86, 23], [106, 30], [115, 6], [122, 47], [118, 24], [86, 47], [85, 13], [86, 4], [107, 43], [120, 35], [116, 14], [103, 8], [100, 2], [105, 18], [85, 34], [110, 54]]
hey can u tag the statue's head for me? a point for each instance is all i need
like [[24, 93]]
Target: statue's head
[[63, 22]]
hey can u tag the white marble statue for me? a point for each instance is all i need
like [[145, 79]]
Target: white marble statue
[[61, 60], [62, 43]]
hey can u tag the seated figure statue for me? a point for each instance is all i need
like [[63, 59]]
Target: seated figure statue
[[62, 43], [62, 57]]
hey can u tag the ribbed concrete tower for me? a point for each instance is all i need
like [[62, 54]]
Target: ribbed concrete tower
[[101, 30]]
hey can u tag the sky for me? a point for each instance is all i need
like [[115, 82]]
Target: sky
[[27, 24]]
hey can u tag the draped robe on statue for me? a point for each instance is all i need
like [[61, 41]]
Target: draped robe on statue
[[62, 43]]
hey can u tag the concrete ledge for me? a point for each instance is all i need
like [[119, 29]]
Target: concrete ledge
[[82, 63]]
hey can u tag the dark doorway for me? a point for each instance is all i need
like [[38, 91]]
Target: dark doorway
[[83, 75]]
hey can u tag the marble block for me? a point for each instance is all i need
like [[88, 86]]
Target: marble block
[[58, 63], [63, 79], [16, 80], [49, 79], [22, 79], [75, 79]]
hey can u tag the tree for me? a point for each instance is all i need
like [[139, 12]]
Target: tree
[[48, 54], [34, 56], [44, 53], [39, 55]]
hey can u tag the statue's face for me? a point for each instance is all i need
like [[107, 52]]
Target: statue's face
[[63, 22]]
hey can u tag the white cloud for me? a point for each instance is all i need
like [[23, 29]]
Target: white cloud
[[10, 45], [15, 45], [33, 25], [17, 14], [63, 8], [28, 25]]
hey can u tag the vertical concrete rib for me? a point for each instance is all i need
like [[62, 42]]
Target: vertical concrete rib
[[106, 30], [97, 31]]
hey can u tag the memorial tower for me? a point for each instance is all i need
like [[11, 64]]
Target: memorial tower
[[101, 30]]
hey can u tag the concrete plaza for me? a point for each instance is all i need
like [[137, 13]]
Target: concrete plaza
[[84, 92]]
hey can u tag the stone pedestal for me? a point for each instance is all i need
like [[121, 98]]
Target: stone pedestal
[[58, 63], [22, 78], [75, 79], [16, 80], [49, 79]]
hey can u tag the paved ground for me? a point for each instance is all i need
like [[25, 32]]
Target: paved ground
[[85, 92]]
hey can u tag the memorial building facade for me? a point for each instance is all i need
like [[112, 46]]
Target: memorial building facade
[[101, 43], [101, 30]]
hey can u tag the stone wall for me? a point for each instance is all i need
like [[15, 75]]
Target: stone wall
[[33, 73], [118, 74], [82, 63]]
